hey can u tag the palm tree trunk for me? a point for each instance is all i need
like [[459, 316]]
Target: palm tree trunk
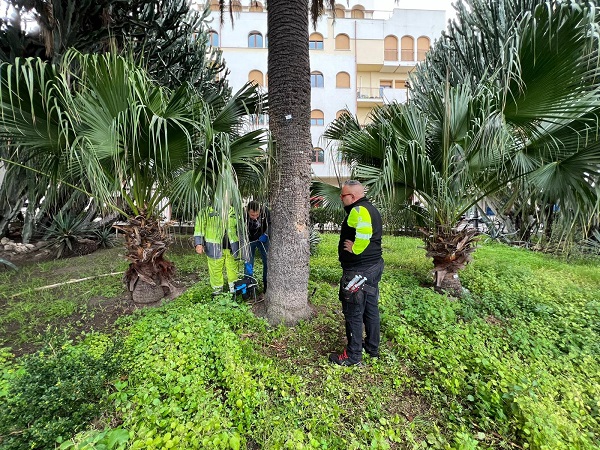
[[149, 275], [451, 251], [289, 121]]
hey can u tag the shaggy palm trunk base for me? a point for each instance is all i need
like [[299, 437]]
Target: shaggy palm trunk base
[[149, 275], [451, 250]]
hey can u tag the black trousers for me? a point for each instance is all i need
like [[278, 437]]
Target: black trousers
[[361, 308]]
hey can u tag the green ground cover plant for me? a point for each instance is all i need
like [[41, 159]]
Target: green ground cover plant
[[56, 392], [514, 364]]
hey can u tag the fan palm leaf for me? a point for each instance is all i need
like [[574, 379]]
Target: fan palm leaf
[[101, 119]]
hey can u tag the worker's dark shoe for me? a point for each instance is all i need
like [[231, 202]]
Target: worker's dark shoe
[[217, 292], [343, 359]]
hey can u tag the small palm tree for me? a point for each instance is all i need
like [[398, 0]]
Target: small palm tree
[[401, 161], [99, 123], [538, 58], [521, 120]]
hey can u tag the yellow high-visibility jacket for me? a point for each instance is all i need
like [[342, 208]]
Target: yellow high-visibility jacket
[[213, 233]]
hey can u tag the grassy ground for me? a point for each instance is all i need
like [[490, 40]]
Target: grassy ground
[[513, 364], [30, 316]]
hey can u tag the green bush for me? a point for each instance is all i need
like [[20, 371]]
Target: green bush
[[56, 392], [98, 440], [516, 357], [321, 216], [105, 237]]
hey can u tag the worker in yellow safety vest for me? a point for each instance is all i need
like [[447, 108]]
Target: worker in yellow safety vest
[[216, 235]]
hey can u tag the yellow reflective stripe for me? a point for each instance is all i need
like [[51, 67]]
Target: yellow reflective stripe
[[360, 219]]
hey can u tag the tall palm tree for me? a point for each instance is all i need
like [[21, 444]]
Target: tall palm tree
[[289, 122], [521, 117], [99, 123]]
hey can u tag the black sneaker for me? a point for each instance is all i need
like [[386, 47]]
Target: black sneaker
[[343, 360]]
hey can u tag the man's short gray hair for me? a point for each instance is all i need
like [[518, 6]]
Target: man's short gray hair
[[352, 183]]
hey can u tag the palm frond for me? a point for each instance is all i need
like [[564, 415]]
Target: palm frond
[[101, 118]]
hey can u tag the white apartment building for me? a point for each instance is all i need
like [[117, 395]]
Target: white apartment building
[[359, 60]]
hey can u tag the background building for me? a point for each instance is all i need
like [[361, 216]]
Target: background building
[[360, 60]]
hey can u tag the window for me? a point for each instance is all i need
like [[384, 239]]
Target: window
[[407, 53], [339, 11], [213, 38], [316, 80], [342, 80], [236, 6], [255, 40], [342, 42], [315, 42], [318, 155], [400, 84], [256, 77], [422, 47], [255, 6], [317, 118], [390, 45], [358, 12], [340, 113]]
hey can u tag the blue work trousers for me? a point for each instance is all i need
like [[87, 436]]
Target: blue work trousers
[[263, 248]]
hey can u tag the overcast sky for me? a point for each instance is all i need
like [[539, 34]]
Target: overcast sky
[[419, 4]]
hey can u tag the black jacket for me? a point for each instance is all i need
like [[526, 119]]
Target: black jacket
[[258, 226], [365, 229]]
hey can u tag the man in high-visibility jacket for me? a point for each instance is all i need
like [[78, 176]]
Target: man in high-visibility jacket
[[217, 236], [360, 255]]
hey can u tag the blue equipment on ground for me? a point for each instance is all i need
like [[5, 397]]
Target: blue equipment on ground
[[246, 287]]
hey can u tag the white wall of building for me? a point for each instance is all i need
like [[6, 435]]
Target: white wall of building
[[330, 99]]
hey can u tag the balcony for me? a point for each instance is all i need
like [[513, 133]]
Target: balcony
[[371, 97]]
